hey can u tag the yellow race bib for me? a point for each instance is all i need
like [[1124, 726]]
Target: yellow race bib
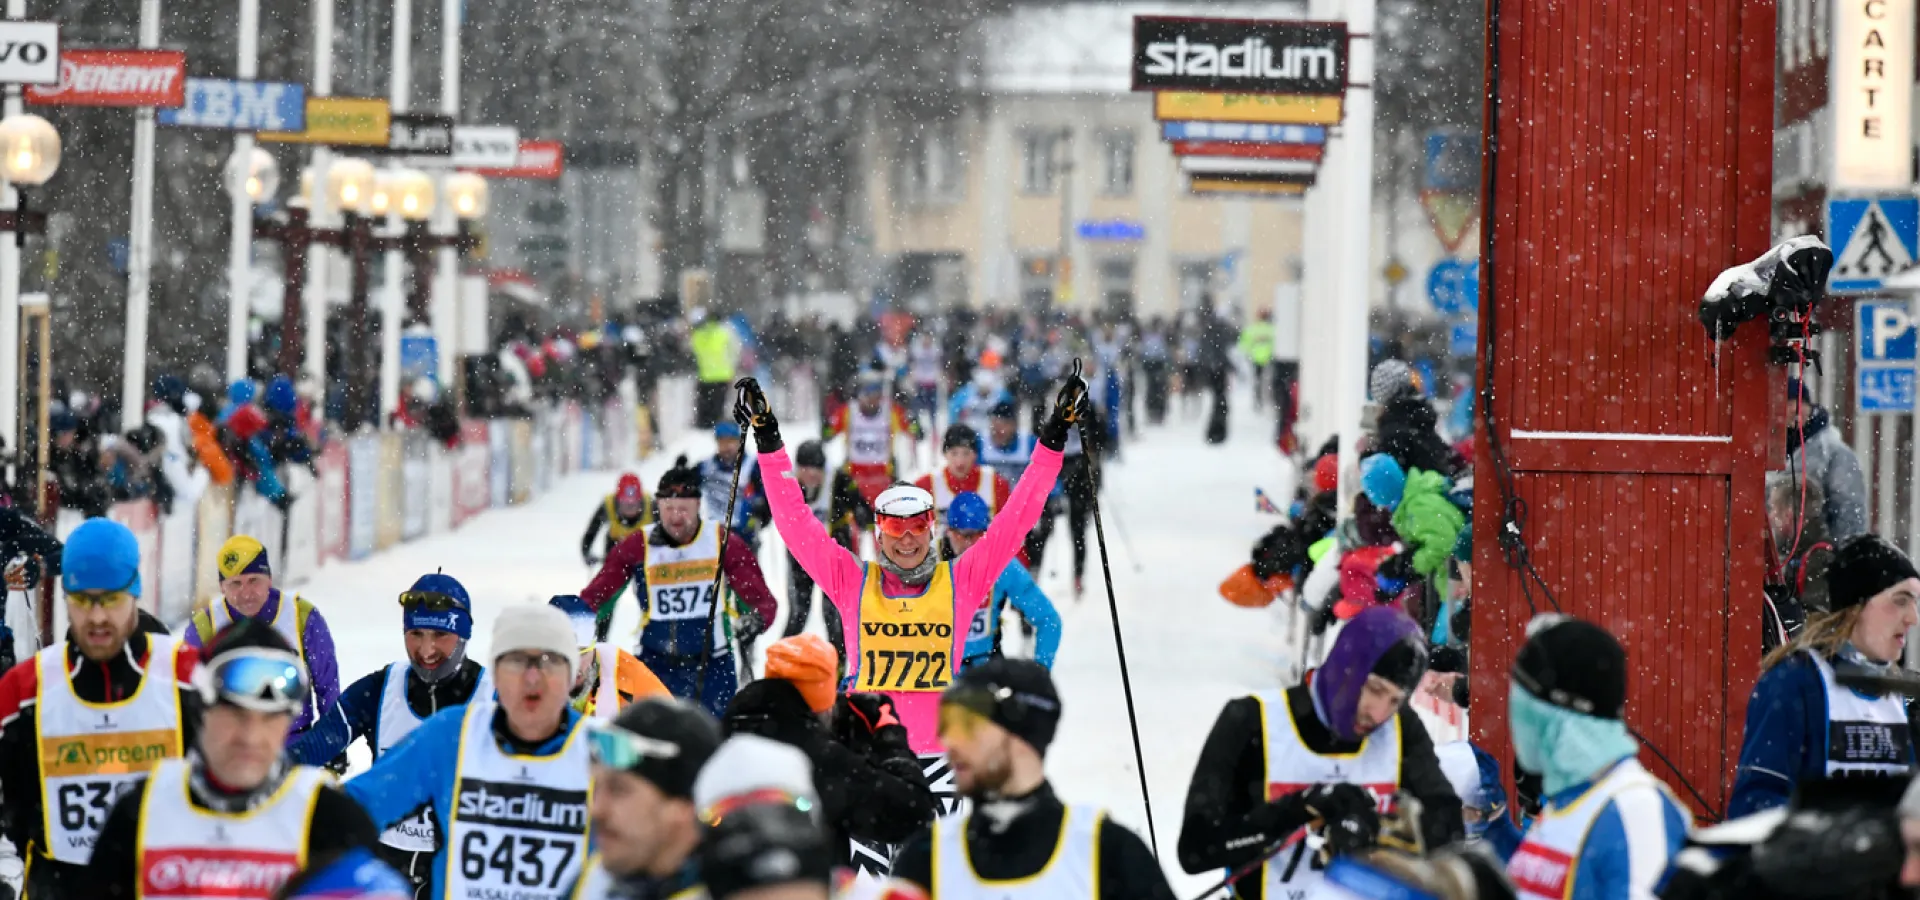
[[906, 643]]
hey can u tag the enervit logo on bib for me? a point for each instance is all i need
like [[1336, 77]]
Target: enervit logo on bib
[[195, 872]]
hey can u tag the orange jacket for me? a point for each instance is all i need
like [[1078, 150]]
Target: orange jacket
[[632, 681], [206, 445]]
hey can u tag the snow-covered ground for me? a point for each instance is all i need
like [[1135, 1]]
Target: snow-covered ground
[[1179, 517]]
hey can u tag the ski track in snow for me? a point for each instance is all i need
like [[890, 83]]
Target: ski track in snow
[[1187, 511]]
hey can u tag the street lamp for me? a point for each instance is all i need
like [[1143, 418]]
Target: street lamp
[[29, 155], [380, 202], [350, 183], [467, 194], [253, 175], [412, 194]]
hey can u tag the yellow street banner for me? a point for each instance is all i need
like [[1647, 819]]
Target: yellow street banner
[[354, 121], [1269, 109], [1243, 186]]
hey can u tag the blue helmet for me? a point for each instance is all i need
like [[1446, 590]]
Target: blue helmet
[[100, 555], [354, 875], [579, 614], [968, 512]]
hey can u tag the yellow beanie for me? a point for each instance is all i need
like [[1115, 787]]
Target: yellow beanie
[[242, 555]]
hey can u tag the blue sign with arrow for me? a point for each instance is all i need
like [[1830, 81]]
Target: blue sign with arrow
[[1453, 286]]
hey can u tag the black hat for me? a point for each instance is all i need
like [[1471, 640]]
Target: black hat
[[960, 435], [764, 845], [1004, 410], [680, 482], [666, 720], [1575, 665], [810, 455], [1015, 694], [1865, 565]]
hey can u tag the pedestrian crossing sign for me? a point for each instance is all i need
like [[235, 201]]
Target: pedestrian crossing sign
[[1874, 238]]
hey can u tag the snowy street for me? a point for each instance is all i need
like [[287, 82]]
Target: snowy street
[[1188, 515]]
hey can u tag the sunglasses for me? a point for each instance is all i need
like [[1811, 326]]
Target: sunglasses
[[617, 748], [269, 681], [725, 806], [430, 601], [896, 526], [100, 599]]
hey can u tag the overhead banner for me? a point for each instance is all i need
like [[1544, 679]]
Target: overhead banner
[[29, 53], [116, 78], [539, 160], [1217, 186], [346, 121], [1246, 132], [1872, 87], [485, 146], [1216, 165], [1241, 56], [420, 134], [1308, 152], [240, 106], [1270, 109]]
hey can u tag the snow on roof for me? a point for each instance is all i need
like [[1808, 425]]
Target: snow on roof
[[1086, 47]]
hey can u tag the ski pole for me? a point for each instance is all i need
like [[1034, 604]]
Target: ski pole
[[726, 530], [1120, 531], [1247, 868], [1113, 607]]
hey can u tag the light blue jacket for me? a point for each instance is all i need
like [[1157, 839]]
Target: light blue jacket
[[1014, 584]]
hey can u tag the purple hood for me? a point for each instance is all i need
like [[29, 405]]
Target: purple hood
[[1356, 653]]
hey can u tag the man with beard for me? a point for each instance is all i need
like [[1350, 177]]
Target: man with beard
[[996, 722], [108, 685], [645, 824], [389, 704]]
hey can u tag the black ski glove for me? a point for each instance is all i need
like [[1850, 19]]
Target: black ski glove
[[1349, 817], [1068, 407], [753, 413]]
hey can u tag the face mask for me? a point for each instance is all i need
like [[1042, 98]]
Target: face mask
[[446, 667], [1563, 746]]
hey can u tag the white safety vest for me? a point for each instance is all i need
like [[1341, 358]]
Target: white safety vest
[[1072, 871], [1296, 871], [286, 620], [943, 490], [397, 720], [1542, 867], [1865, 735], [91, 753], [680, 580], [518, 827], [870, 438], [189, 853]]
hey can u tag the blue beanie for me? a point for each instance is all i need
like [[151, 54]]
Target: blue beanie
[[456, 621], [726, 430], [241, 393], [280, 395], [968, 512], [100, 555], [1383, 480]]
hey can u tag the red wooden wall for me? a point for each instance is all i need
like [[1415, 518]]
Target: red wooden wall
[[1629, 162]]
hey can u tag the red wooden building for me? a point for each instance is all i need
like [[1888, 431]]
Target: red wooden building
[[1628, 163]]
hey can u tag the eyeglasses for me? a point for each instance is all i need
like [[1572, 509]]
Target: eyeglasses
[[726, 806], [518, 662], [430, 601], [896, 526], [100, 599], [617, 748], [263, 680]]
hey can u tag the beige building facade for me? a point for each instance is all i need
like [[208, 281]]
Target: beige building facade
[[1053, 188]]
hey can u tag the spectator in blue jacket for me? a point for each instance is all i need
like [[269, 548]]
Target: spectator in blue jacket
[[1608, 827], [967, 520], [1801, 722], [504, 781]]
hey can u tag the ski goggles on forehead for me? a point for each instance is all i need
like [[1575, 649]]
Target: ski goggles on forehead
[[617, 748], [726, 806], [429, 601], [895, 526], [263, 680]]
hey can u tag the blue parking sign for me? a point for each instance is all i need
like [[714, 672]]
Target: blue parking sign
[[1886, 390], [1453, 286]]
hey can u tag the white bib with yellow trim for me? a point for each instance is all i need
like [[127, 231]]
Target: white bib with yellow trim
[[519, 823], [1542, 867], [188, 853], [1071, 873], [680, 579], [91, 753], [1295, 871]]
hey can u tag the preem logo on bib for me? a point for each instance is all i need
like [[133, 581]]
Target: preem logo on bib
[[121, 753]]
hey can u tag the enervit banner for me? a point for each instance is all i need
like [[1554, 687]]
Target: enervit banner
[[540, 160], [116, 78], [1242, 56]]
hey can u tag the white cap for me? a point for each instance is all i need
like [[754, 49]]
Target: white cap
[[746, 763], [902, 500], [527, 626], [1463, 772]]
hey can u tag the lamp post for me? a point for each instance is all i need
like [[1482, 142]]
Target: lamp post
[[29, 155]]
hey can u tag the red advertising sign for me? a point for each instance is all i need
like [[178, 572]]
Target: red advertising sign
[[1238, 150], [116, 78], [543, 160]]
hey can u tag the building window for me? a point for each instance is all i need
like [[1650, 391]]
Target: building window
[[933, 167], [1039, 168], [1116, 284], [1197, 283], [1116, 156]]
